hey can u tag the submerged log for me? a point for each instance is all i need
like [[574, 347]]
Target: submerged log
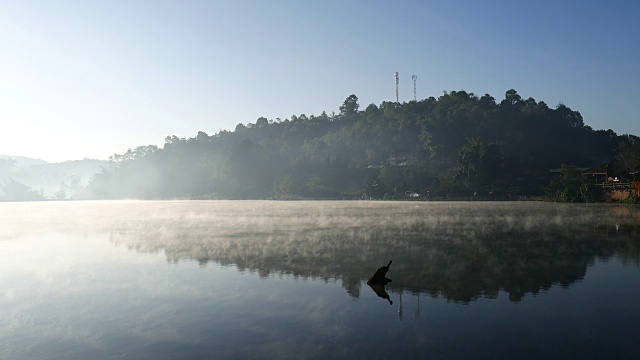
[[379, 276]]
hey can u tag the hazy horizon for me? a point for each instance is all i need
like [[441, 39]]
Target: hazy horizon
[[6, 156], [92, 79]]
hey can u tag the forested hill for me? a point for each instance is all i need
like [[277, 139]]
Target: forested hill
[[455, 144]]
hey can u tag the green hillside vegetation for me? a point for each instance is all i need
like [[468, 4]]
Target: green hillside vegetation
[[458, 144]]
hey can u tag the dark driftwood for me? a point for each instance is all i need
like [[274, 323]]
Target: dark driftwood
[[378, 278]]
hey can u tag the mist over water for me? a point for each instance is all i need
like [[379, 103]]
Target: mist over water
[[264, 279]]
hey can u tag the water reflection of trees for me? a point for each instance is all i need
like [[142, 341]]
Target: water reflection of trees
[[457, 251]]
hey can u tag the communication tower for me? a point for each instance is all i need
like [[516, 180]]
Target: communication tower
[[414, 77], [397, 76]]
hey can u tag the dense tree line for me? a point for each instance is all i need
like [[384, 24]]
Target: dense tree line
[[458, 144]]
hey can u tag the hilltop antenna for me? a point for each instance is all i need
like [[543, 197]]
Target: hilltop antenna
[[397, 76], [414, 78]]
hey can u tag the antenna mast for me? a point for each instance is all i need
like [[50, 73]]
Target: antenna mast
[[414, 77], [397, 82]]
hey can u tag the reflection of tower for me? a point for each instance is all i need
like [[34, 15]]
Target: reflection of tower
[[397, 82], [417, 314], [414, 78], [400, 307]]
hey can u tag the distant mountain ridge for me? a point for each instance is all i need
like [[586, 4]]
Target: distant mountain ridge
[[23, 161], [61, 180]]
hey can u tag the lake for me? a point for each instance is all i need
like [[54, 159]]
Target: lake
[[278, 279]]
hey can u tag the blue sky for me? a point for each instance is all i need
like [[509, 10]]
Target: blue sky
[[93, 78]]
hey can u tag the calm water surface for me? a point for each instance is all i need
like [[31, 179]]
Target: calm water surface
[[258, 279]]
